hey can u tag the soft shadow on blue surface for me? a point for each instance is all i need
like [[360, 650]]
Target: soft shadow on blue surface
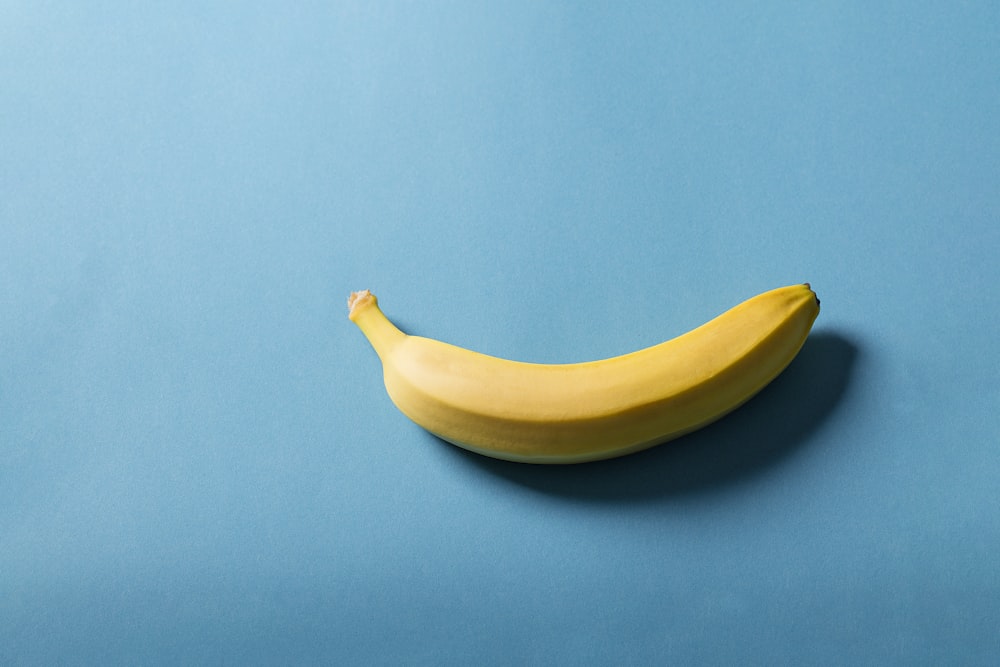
[[771, 426]]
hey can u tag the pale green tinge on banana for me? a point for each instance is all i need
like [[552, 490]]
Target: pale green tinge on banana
[[570, 413]]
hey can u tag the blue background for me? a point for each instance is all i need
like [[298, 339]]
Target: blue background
[[199, 463]]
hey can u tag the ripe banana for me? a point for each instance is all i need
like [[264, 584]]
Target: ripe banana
[[570, 413]]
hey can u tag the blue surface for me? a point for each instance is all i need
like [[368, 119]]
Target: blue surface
[[198, 461]]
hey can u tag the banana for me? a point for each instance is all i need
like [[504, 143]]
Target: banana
[[571, 413]]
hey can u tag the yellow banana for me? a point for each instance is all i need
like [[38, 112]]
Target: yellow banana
[[570, 413]]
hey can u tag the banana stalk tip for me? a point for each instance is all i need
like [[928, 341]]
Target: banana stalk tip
[[357, 300]]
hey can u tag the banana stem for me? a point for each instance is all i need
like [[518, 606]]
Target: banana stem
[[380, 332]]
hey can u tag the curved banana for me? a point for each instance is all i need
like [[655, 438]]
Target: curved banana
[[570, 413]]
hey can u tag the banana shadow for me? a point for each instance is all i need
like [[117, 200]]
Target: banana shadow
[[768, 428]]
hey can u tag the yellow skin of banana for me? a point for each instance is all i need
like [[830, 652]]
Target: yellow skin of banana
[[572, 413]]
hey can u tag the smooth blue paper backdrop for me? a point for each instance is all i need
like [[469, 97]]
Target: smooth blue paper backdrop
[[199, 463]]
